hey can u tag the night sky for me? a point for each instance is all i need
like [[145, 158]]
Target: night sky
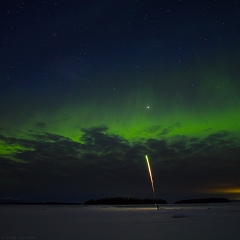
[[89, 87]]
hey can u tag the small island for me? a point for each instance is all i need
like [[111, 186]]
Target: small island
[[124, 201], [204, 200]]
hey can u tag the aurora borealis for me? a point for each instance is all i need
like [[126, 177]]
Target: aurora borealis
[[88, 88]]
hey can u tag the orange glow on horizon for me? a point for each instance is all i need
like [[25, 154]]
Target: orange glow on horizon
[[229, 190], [232, 192]]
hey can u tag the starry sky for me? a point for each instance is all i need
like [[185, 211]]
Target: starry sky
[[88, 88]]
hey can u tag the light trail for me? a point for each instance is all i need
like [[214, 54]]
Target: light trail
[[151, 177]]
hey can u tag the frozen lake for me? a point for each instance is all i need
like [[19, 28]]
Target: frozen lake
[[208, 221]]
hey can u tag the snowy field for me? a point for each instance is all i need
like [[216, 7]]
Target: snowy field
[[209, 221]]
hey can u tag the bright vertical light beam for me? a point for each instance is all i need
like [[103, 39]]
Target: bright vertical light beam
[[151, 177]]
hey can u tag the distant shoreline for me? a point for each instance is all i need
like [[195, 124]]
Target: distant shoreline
[[122, 201]]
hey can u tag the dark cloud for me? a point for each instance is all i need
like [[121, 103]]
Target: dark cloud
[[97, 139], [51, 162]]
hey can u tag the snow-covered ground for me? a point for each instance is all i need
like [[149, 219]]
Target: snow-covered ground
[[209, 221]]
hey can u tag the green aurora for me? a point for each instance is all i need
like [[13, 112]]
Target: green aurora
[[146, 110]]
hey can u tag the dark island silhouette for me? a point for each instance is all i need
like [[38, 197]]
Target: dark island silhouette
[[124, 201], [204, 200]]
